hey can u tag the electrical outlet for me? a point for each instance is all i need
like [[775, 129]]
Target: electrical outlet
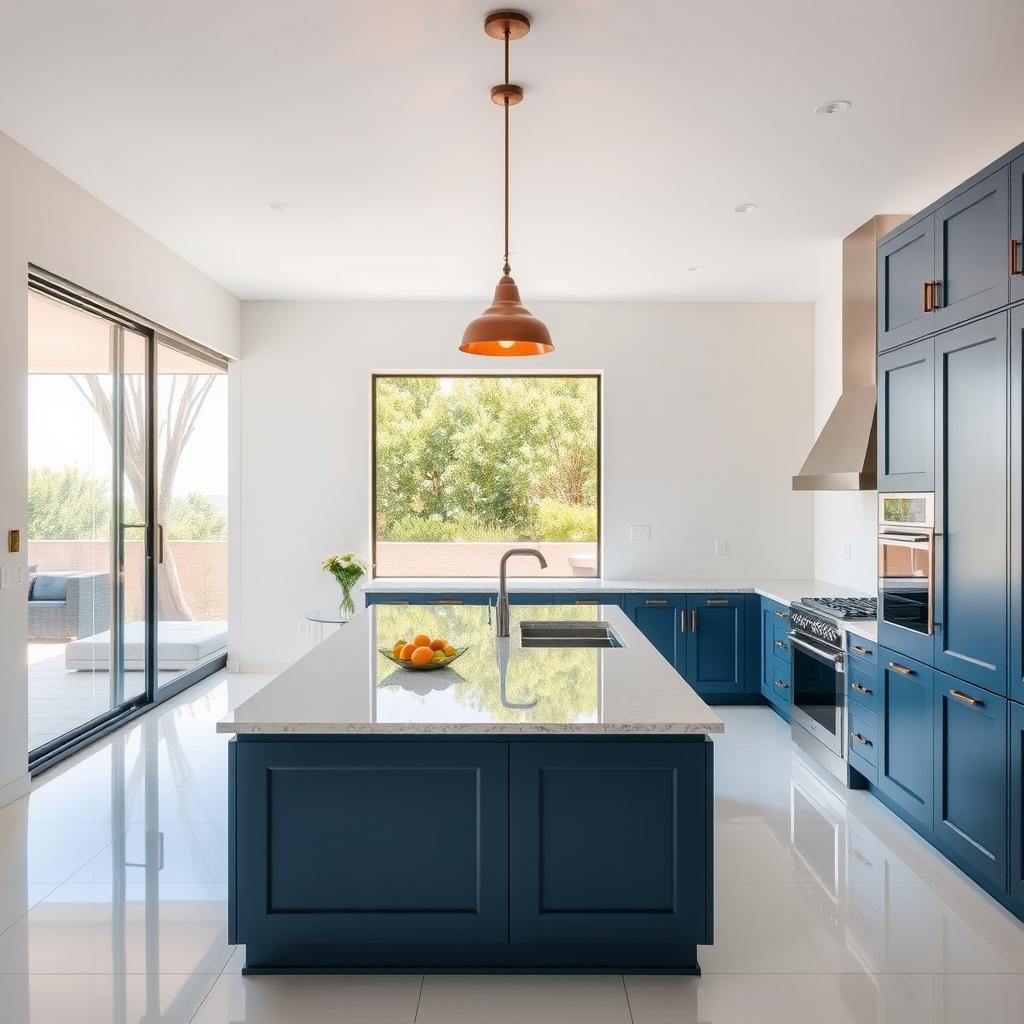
[[721, 546], [20, 574], [640, 532]]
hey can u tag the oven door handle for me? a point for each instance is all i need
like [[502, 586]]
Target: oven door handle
[[835, 659], [903, 540]]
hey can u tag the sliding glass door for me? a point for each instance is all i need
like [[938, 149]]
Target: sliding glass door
[[88, 520], [127, 517]]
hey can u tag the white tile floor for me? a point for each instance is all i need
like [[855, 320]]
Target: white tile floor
[[828, 909]]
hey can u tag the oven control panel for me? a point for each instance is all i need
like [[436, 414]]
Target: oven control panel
[[815, 625]]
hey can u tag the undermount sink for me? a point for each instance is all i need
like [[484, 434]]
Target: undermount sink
[[569, 633]]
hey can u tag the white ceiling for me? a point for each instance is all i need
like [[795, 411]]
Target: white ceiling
[[644, 124]]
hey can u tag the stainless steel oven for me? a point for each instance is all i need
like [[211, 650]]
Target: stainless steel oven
[[818, 684], [906, 561]]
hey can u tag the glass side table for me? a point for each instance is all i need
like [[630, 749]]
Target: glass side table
[[322, 617]]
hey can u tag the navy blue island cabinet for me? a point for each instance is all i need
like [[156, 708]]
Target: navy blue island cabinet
[[470, 853]]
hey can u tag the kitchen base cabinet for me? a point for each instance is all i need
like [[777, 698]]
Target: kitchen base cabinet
[[906, 716], [662, 619], [1017, 802], [775, 661], [970, 775], [716, 643]]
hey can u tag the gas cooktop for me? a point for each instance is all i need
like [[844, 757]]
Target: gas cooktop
[[843, 607]]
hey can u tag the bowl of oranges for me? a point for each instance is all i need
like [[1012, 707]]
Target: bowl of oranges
[[423, 653]]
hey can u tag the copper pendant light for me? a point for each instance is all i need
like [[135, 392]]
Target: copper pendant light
[[506, 327]]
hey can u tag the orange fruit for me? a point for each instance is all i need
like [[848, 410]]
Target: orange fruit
[[407, 652], [421, 655], [438, 645], [421, 640], [396, 651], [449, 651]]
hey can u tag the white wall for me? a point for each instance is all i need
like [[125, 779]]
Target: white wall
[[845, 522], [708, 411], [47, 220]]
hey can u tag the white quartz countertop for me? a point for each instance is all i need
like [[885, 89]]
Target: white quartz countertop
[[345, 686]]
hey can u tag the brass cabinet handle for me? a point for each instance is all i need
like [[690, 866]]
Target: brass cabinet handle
[[964, 699], [1015, 246], [902, 669], [936, 285], [861, 650], [655, 602], [859, 688], [927, 291], [861, 738], [780, 644], [781, 615], [583, 602], [717, 602], [693, 621], [449, 600], [781, 685]]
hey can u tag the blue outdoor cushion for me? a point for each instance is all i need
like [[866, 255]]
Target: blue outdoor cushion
[[49, 588]]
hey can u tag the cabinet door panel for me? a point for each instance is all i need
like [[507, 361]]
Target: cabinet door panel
[[906, 422], [971, 245], [1017, 801], [715, 645], [970, 774], [971, 500], [659, 618], [1017, 228], [905, 263], [906, 759], [1016, 669], [602, 843]]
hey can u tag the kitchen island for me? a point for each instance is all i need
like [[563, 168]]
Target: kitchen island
[[530, 808]]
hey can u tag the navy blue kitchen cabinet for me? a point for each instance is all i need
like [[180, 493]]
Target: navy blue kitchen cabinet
[[1017, 229], [662, 619], [775, 661], [716, 643], [1016, 673], [599, 843], [906, 265], [971, 499], [906, 763], [1017, 802], [971, 775], [316, 820], [971, 244], [906, 421]]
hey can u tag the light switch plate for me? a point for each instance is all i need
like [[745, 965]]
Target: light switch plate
[[640, 532], [721, 546], [6, 576]]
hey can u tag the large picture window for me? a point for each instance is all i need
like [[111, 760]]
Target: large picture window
[[465, 467]]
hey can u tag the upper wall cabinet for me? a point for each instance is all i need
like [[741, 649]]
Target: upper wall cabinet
[[1016, 676], [906, 440], [905, 270], [971, 245], [971, 499], [1016, 243]]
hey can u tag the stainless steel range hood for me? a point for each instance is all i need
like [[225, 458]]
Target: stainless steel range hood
[[844, 456]]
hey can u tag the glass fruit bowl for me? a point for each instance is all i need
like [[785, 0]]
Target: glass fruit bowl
[[426, 666]]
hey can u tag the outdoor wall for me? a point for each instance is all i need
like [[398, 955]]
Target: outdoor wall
[[708, 409], [845, 522], [47, 220]]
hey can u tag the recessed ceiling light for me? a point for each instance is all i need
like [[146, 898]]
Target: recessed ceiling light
[[833, 107], [746, 208], [278, 207], [695, 269]]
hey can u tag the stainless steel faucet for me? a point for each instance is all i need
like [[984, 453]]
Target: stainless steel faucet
[[502, 616]]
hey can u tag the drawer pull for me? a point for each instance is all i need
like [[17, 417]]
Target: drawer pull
[[964, 699], [902, 669], [583, 602], [861, 650], [717, 602], [781, 645], [859, 688], [781, 615], [781, 685], [449, 600], [655, 602], [861, 739], [396, 602]]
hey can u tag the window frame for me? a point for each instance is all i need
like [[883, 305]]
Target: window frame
[[594, 375]]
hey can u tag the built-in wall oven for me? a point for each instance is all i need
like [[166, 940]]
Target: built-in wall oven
[[818, 689], [906, 561]]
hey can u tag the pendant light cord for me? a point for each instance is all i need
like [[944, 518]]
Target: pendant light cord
[[506, 269]]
